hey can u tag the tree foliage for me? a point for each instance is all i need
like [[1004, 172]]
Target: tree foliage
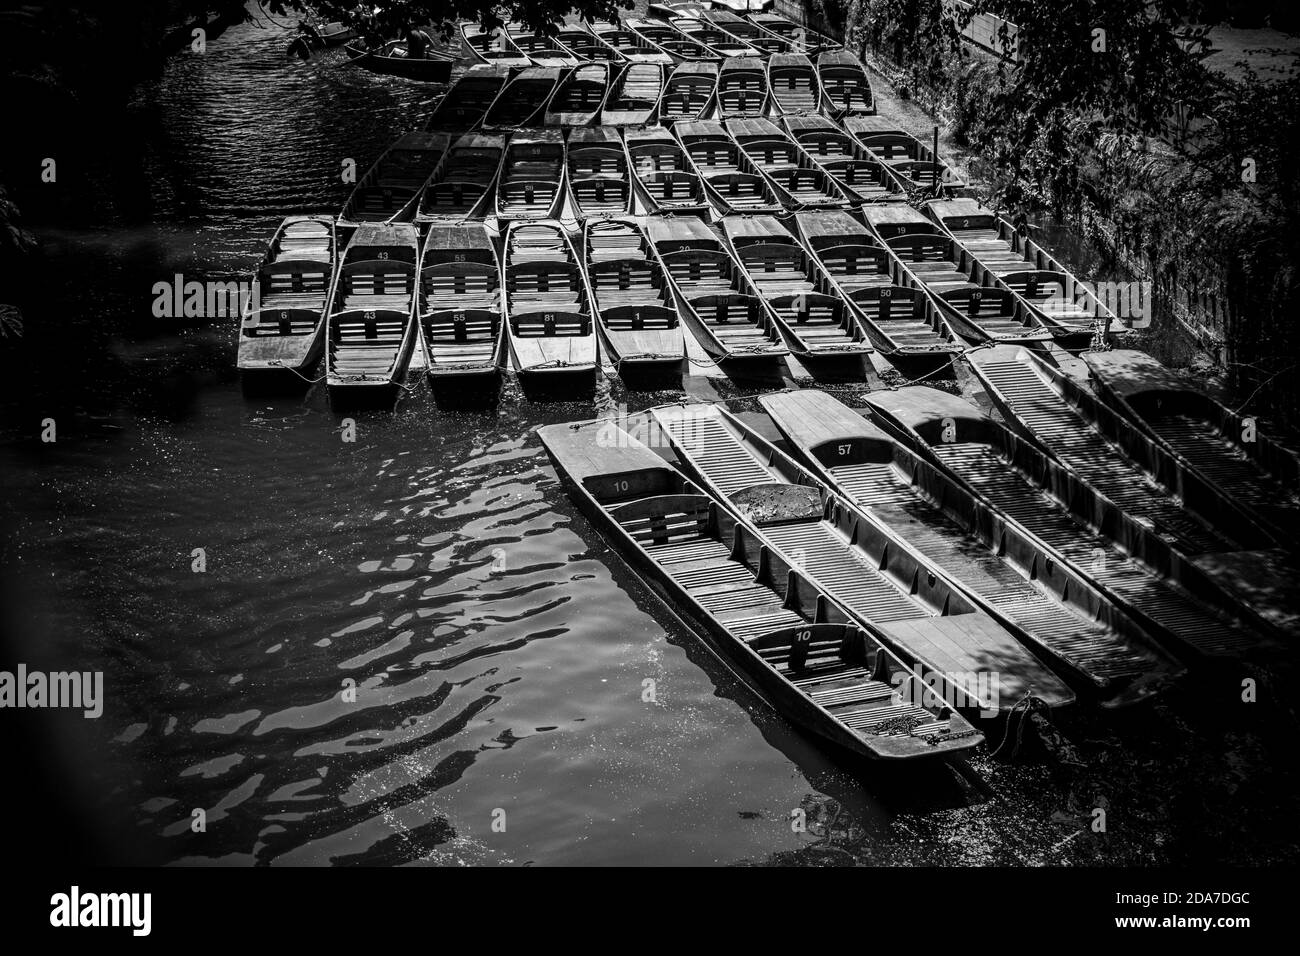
[[392, 17]]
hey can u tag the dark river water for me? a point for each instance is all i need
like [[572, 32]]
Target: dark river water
[[497, 650]]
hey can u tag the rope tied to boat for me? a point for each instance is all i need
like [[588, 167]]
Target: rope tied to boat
[[310, 381], [1031, 704]]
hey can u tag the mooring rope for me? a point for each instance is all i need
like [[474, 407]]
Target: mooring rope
[[309, 381]]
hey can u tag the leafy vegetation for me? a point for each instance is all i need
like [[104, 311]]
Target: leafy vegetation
[[1108, 115]]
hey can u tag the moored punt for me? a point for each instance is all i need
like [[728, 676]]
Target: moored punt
[[1072, 524], [814, 523], [860, 173], [799, 183], [391, 60], [548, 311], [910, 161], [635, 314], [582, 43], [715, 298], [742, 88], [707, 34], [468, 100], [801, 38], [1204, 435], [760, 614], [541, 50], [579, 96], [598, 180], [335, 33], [390, 189], [670, 40], [461, 188], [1015, 262], [764, 42], [494, 47], [821, 329], [664, 179], [845, 89], [792, 81], [731, 180], [1197, 520], [688, 92], [372, 329], [1055, 612], [932, 261], [531, 182], [633, 48], [523, 102], [634, 96], [900, 321], [667, 9], [291, 288], [460, 309]]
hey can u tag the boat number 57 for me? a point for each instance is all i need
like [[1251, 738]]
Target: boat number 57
[[844, 450]]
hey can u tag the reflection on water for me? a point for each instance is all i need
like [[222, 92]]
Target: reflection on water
[[399, 641]]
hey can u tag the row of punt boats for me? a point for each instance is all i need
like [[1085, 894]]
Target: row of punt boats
[[711, 168], [703, 35], [640, 94], [861, 567], [556, 303]]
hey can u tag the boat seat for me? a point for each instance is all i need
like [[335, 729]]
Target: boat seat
[[556, 324], [674, 187]]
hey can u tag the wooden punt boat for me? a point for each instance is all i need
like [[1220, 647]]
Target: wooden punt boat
[[541, 50], [708, 35], [767, 44], [688, 92], [460, 309], [468, 100], [670, 40], [930, 260], [578, 98], [391, 60], [1057, 614], [912, 164], [1203, 435], [549, 326], [635, 314], [523, 102], [1070, 524], [858, 172], [283, 324], [756, 611], [665, 181], [1014, 261], [802, 39], [715, 298], [821, 329], [494, 47], [461, 187], [742, 89], [667, 9], [799, 183], [900, 321], [598, 180], [531, 183], [733, 184], [390, 189], [633, 48], [372, 328], [634, 96], [845, 88], [1200, 522], [334, 33], [579, 40], [792, 81], [814, 523]]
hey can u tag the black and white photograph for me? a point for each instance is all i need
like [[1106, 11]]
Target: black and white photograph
[[756, 434]]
